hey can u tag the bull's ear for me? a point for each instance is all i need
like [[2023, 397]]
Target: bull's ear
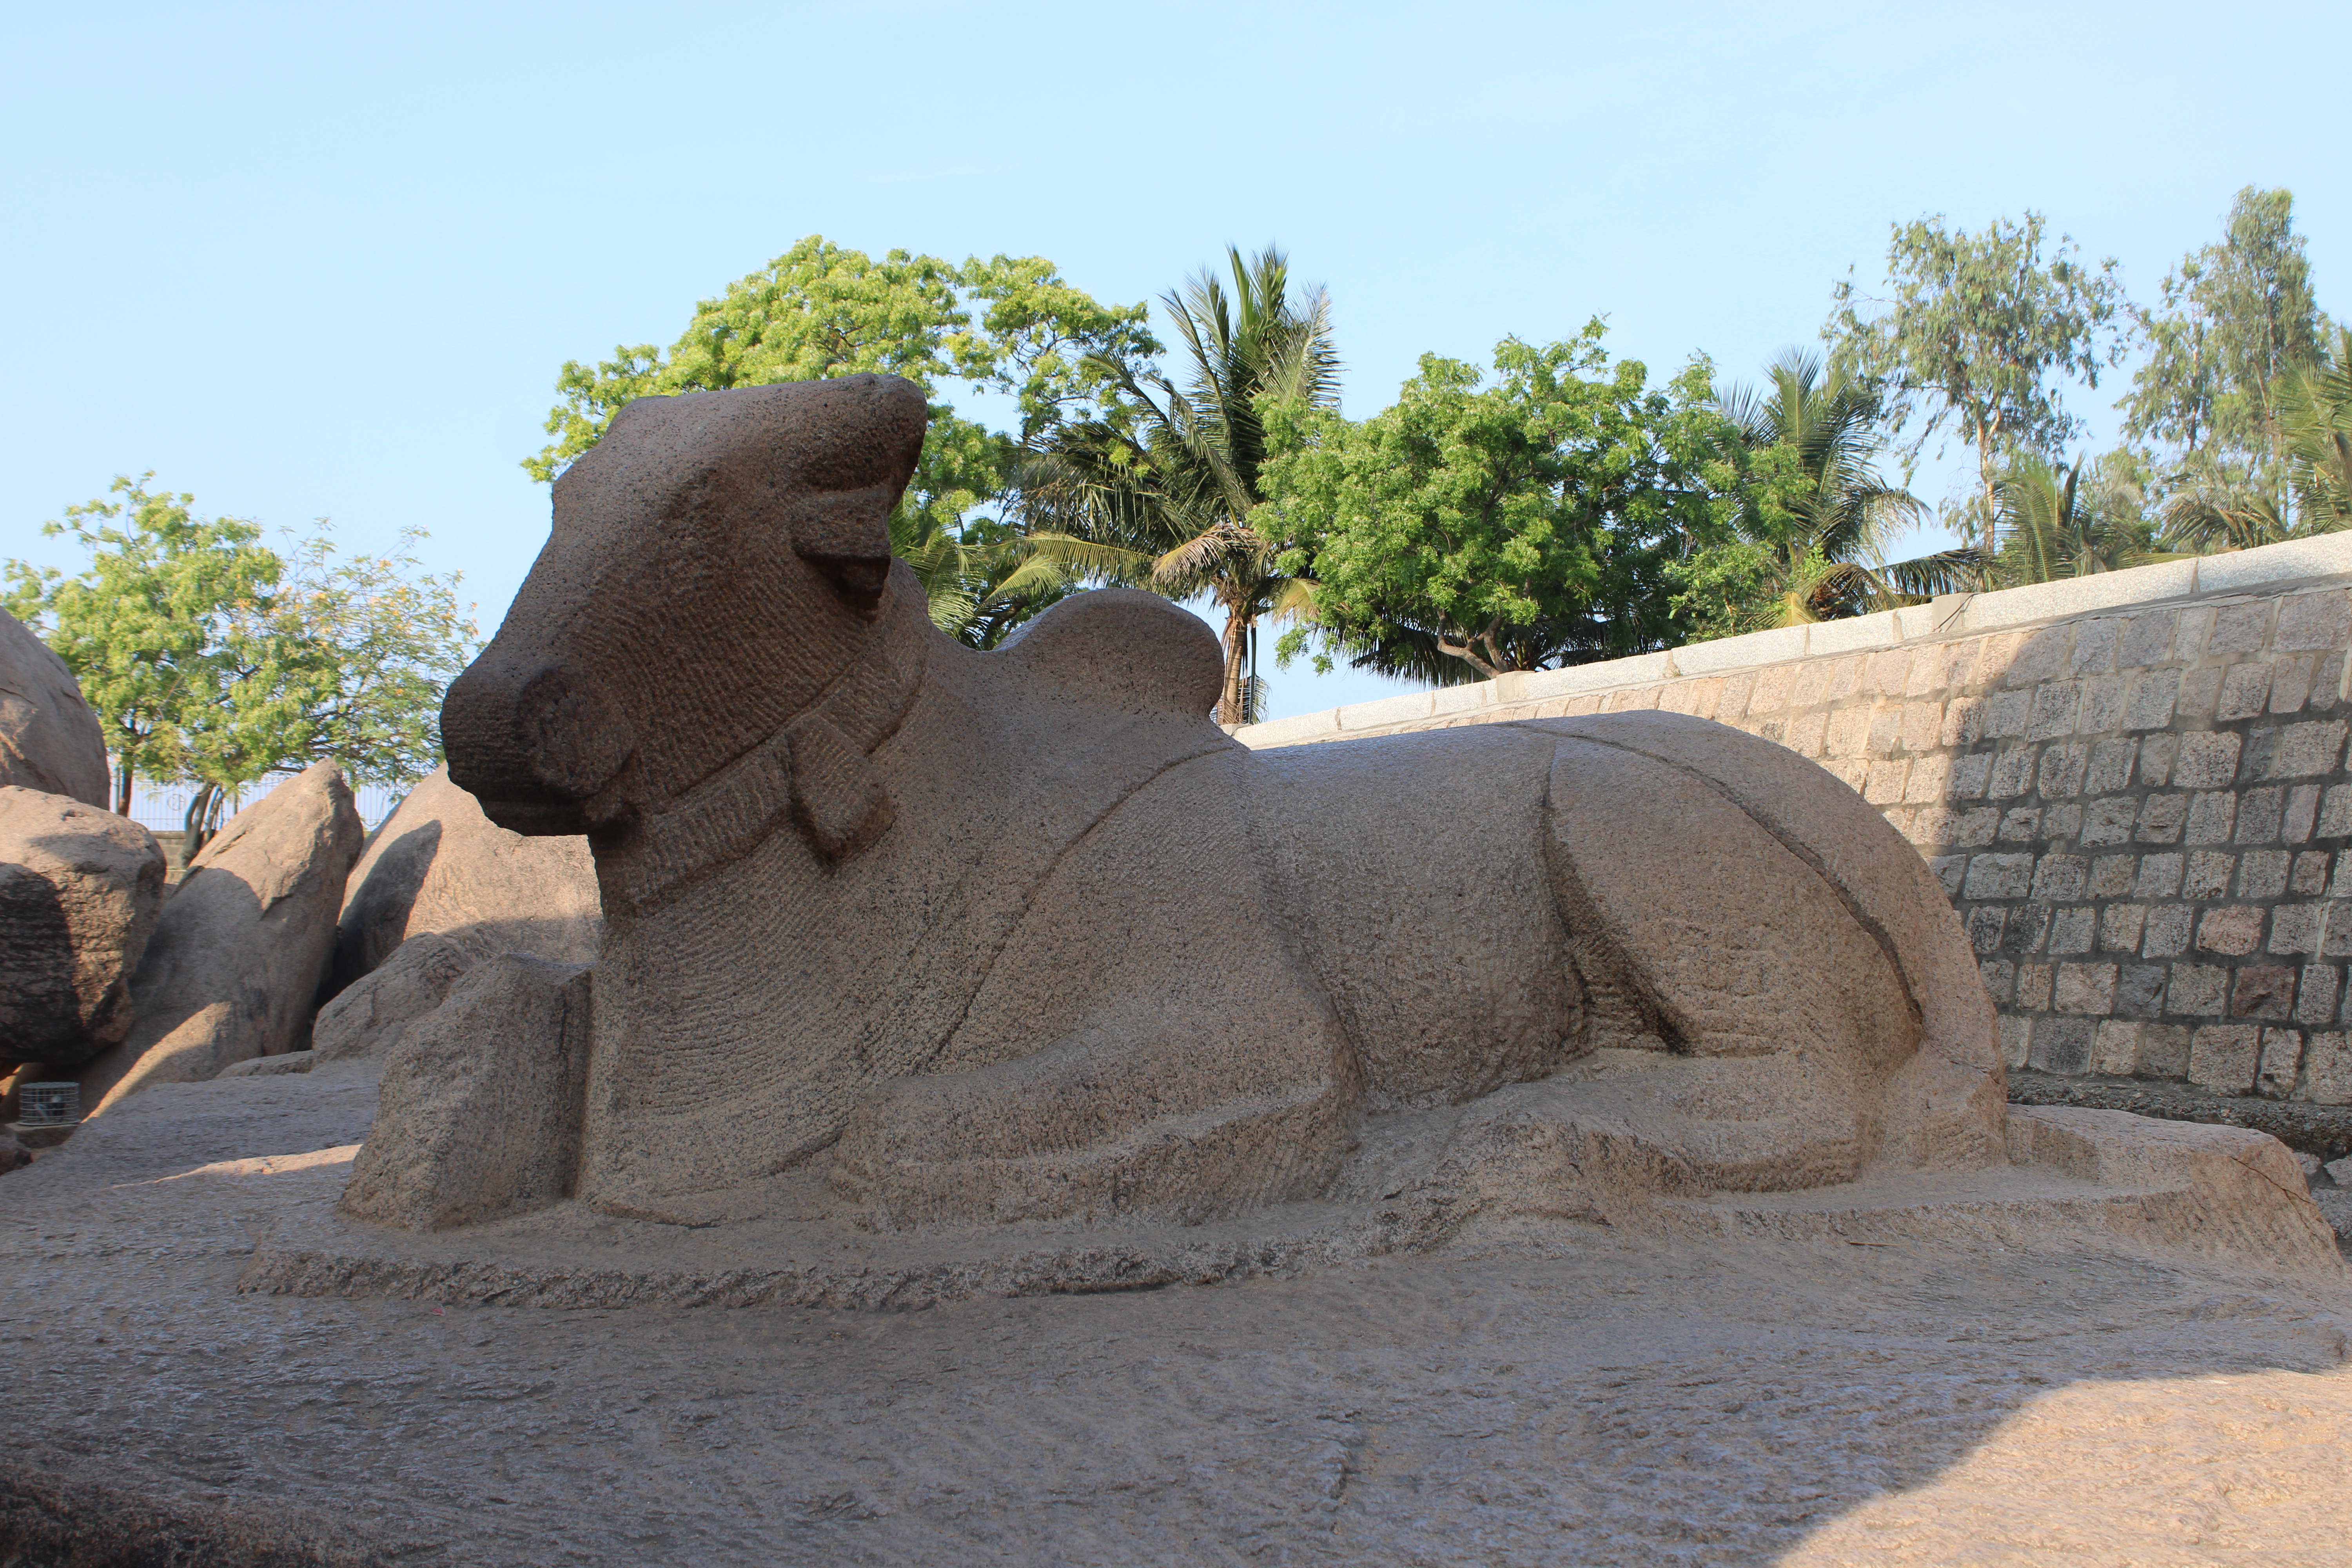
[[845, 534]]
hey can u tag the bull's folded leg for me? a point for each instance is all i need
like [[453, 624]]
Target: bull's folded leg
[[1777, 1014], [1117, 1120]]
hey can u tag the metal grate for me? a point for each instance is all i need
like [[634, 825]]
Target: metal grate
[[48, 1104], [163, 808]]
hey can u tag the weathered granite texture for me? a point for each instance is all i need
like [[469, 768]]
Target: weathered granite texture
[[370, 1018], [49, 1519], [2321, 1131], [49, 740], [437, 865], [480, 1111], [987, 938], [81, 889], [2138, 809], [236, 961], [1993, 1390]]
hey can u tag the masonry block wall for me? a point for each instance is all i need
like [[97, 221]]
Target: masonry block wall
[[2140, 809]]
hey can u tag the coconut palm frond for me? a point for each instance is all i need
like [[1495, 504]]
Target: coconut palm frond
[[1841, 516], [1166, 500], [2215, 515], [1294, 600], [1944, 572], [2315, 420]]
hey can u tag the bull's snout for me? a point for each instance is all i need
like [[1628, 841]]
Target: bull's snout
[[535, 745]]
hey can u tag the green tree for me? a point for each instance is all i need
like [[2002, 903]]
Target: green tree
[[2236, 318], [208, 656], [983, 577], [2315, 411], [143, 627], [1808, 536], [2211, 506], [1474, 529], [347, 659], [1158, 489], [1008, 326], [2071, 522], [1978, 334]]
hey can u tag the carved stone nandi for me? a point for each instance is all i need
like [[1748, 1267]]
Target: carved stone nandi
[[1021, 935]]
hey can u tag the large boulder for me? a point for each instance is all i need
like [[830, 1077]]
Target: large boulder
[[81, 889], [370, 1018], [236, 962], [438, 865], [49, 740], [479, 1108]]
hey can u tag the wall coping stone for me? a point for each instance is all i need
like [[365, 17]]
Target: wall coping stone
[[2326, 556]]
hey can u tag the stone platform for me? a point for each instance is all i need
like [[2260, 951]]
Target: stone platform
[[2055, 1365], [1418, 1183]]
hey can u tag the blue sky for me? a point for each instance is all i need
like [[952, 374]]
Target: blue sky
[[325, 261]]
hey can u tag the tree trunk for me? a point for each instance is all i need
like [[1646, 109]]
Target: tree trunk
[[1236, 646], [200, 821], [122, 789], [1992, 504]]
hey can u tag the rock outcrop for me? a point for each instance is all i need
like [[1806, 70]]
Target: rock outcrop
[[236, 962], [370, 1018], [49, 740], [81, 889], [480, 1101], [438, 865]]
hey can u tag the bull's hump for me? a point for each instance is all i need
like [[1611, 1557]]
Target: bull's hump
[[1132, 651]]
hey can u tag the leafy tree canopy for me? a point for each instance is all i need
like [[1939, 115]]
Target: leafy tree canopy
[[1474, 529], [2236, 318], [1160, 489], [2315, 413], [208, 656], [1812, 518], [1978, 334], [2072, 520], [1006, 325]]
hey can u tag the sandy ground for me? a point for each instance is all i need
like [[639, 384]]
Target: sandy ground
[[1559, 1395]]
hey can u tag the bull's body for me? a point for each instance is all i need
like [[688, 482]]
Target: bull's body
[[1023, 934]]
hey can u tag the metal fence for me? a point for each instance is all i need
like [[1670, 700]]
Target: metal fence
[[163, 808]]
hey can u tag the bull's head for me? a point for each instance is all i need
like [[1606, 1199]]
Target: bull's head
[[716, 562]]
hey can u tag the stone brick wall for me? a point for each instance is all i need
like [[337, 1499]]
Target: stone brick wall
[[2133, 787]]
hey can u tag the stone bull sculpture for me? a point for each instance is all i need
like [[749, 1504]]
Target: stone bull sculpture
[[988, 937]]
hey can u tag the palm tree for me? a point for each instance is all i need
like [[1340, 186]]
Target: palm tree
[[2215, 506], [2054, 525], [982, 578], [1158, 490], [1819, 508], [2315, 421]]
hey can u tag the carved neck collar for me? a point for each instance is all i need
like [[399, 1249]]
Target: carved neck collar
[[817, 767]]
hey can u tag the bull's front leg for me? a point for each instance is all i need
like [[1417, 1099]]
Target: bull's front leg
[[1146, 1046], [1131, 1117]]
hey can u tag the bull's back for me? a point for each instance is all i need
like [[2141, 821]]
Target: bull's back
[[1409, 871]]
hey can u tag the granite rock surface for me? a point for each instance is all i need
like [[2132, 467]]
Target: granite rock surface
[[234, 967], [369, 1018], [80, 890], [437, 865], [1555, 1390], [481, 1098], [49, 740]]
